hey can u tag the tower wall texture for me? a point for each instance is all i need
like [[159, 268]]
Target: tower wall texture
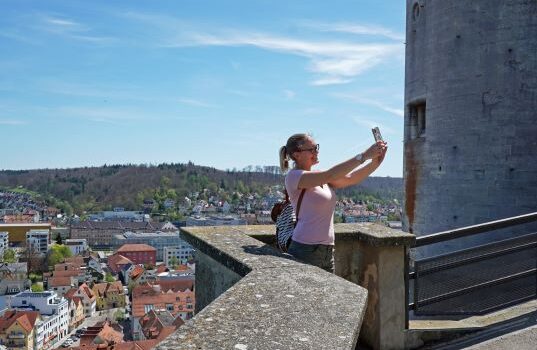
[[470, 112]]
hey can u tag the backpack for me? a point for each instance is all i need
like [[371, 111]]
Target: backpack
[[285, 218]]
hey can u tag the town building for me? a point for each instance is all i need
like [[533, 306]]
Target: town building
[[61, 284], [180, 303], [214, 220], [4, 242], [110, 295], [17, 231], [87, 296], [77, 246], [13, 278], [120, 214], [180, 254], [158, 240], [100, 234], [102, 334], [118, 263], [138, 253], [76, 310], [17, 329], [158, 324], [38, 241], [54, 324]]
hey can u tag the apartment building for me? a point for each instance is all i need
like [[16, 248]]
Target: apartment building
[[54, 324]]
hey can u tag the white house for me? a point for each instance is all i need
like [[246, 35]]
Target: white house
[[38, 240], [181, 253], [77, 246], [54, 324]]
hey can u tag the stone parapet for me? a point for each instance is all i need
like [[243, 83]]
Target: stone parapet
[[250, 296], [257, 298]]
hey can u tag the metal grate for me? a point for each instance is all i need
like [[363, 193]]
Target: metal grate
[[477, 280]]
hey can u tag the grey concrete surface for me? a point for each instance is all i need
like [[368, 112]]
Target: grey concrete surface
[[277, 303], [524, 339]]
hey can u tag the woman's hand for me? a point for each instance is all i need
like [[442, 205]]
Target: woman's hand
[[376, 150], [380, 157]]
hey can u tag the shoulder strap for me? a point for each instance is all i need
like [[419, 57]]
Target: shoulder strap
[[299, 202]]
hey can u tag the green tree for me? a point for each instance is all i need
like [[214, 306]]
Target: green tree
[[109, 278], [119, 315], [58, 253], [173, 262], [37, 287], [10, 256]]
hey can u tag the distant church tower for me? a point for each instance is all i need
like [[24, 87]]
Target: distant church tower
[[470, 112]]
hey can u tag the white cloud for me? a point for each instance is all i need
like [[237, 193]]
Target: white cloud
[[333, 61], [113, 115], [195, 103], [358, 29], [71, 29], [370, 124], [12, 122], [330, 81], [289, 94], [372, 102]]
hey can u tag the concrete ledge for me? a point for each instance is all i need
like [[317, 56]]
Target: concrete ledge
[[370, 233], [273, 302]]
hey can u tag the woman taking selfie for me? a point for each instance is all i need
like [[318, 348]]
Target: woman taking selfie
[[313, 237]]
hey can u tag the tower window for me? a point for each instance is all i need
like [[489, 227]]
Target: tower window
[[417, 116]]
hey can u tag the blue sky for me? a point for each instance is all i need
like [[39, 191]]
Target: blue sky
[[218, 83]]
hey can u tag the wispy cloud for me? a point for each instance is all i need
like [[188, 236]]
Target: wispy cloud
[[372, 102], [289, 94], [71, 29], [335, 62], [195, 103], [370, 124], [332, 61], [113, 115], [352, 28], [330, 81], [12, 122]]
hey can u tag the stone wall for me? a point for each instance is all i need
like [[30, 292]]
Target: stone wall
[[252, 297]]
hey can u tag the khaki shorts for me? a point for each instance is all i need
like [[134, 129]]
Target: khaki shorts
[[319, 255]]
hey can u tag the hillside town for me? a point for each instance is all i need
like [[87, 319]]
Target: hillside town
[[119, 279]]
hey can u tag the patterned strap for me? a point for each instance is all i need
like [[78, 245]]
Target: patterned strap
[[299, 202]]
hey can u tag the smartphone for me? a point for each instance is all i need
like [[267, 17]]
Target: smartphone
[[376, 134]]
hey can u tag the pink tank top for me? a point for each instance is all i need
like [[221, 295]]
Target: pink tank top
[[316, 218]]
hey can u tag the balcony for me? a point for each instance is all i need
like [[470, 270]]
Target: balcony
[[16, 336], [250, 296]]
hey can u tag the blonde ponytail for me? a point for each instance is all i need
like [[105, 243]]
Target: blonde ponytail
[[286, 152]]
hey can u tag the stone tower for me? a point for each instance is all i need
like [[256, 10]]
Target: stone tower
[[470, 112]]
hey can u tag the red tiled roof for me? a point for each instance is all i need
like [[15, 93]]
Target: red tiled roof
[[59, 281], [176, 285], [101, 289], [26, 319], [117, 260], [135, 248]]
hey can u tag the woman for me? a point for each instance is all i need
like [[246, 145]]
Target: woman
[[313, 237]]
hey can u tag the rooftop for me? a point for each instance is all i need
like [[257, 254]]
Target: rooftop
[[135, 248]]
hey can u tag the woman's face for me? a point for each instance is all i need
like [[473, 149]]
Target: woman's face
[[307, 156]]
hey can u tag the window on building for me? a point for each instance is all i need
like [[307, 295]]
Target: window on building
[[148, 307], [417, 119], [169, 307]]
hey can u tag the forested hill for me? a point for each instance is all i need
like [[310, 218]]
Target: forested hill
[[102, 188]]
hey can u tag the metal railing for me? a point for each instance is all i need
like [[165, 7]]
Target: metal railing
[[474, 280]]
